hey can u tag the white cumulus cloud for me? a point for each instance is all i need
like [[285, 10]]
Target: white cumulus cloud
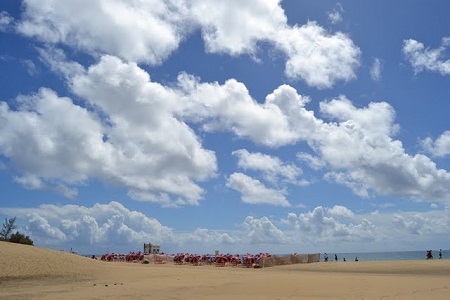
[[154, 28], [254, 191], [132, 138], [426, 59], [319, 58], [439, 147], [235, 27], [114, 227], [273, 168], [157, 28]]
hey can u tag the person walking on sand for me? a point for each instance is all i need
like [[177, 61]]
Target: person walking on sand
[[440, 253], [335, 257]]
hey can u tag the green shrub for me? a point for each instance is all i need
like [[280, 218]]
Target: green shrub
[[20, 239]]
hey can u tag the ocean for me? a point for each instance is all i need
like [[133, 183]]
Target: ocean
[[397, 255]]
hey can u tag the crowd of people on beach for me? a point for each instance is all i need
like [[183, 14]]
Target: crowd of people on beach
[[247, 260], [130, 257]]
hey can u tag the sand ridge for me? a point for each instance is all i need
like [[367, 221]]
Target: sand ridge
[[24, 261]]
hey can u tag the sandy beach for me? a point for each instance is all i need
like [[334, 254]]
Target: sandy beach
[[29, 272]]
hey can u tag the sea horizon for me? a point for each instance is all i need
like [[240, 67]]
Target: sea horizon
[[362, 256], [385, 255]]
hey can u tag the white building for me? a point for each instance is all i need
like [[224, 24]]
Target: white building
[[151, 248]]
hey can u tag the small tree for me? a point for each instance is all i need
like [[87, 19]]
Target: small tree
[[5, 233], [7, 229], [20, 239]]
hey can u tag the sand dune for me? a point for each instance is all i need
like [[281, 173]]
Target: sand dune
[[32, 272], [23, 261]]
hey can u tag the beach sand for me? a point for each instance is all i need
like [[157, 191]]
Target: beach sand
[[30, 272]]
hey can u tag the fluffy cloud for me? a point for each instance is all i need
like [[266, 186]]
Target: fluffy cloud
[[272, 167], [263, 231], [313, 55], [439, 147], [362, 148], [136, 135], [143, 123], [234, 28], [154, 28], [96, 227], [426, 59], [230, 107], [50, 141], [125, 141], [134, 132], [255, 192], [325, 226], [317, 223], [359, 144], [340, 211], [112, 226], [420, 224], [319, 58]]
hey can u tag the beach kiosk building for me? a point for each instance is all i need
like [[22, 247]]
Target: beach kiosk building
[[151, 248]]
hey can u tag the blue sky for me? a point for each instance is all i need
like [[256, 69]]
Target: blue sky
[[238, 126]]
